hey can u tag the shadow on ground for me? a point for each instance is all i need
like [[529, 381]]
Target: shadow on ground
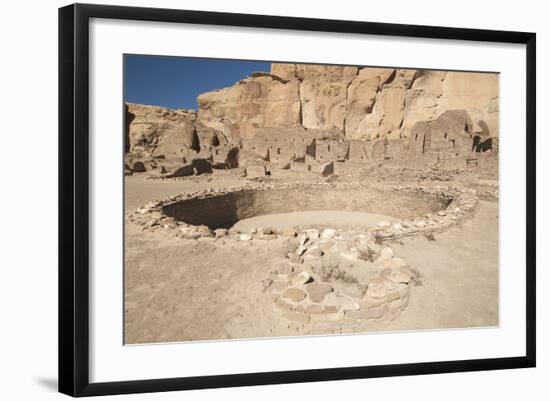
[[49, 383]]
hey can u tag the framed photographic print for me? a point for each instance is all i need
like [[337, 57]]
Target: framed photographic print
[[250, 199]]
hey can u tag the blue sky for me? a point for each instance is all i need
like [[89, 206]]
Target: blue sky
[[175, 82]]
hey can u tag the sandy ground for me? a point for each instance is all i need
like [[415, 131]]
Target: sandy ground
[[187, 290], [459, 275], [138, 191], [330, 218]]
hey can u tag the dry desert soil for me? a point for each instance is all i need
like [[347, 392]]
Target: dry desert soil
[[198, 290]]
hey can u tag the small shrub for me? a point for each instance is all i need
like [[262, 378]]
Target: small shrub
[[430, 236], [368, 255], [417, 276]]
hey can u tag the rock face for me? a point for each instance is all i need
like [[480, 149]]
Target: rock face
[[435, 92], [323, 93], [158, 131], [361, 98], [361, 103], [306, 117], [262, 100], [165, 142]]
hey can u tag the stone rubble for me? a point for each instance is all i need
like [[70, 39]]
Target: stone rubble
[[359, 290]]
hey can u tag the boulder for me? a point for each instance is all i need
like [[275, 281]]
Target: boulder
[[301, 278], [195, 167], [316, 291], [139, 167], [294, 294], [354, 290], [220, 232]]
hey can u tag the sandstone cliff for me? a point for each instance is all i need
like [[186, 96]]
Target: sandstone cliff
[[362, 103], [262, 100], [158, 131], [302, 112]]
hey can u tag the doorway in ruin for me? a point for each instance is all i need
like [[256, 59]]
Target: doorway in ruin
[[232, 160], [129, 117], [480, 146]]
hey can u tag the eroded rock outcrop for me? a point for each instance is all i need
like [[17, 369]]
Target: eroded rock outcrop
[[162, 141], [361, 98], [159, 131], [363, 103], [323, 94], [435, 92], [262, 100]]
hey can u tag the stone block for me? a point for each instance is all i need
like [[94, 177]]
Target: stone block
[[255, 171]]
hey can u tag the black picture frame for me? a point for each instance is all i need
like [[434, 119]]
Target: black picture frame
[[74, 199]]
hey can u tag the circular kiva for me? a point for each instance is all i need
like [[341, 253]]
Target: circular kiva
[[212, 212], [333, 279]]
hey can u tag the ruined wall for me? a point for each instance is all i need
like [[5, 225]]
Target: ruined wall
[[331, 150], [357, 151], [487, 166], [286, 144], [451, 132], [226, 155]]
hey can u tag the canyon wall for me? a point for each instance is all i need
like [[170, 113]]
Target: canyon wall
[[262, 100], [300, 112], [159, 131], [362, 103]]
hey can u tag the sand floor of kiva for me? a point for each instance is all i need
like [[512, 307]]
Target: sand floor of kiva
[[198, 290]]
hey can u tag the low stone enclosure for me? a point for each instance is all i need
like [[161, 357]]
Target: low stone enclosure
[[333, 279], [226, 209]]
